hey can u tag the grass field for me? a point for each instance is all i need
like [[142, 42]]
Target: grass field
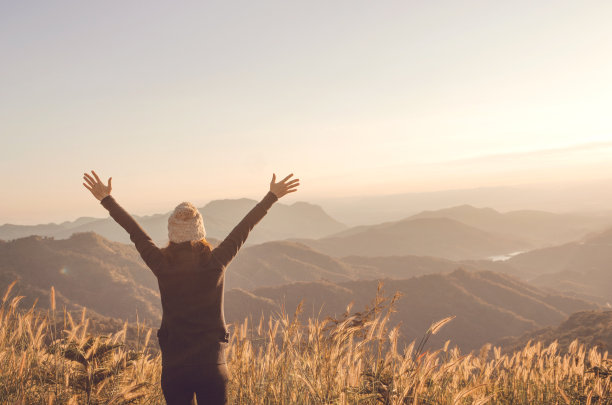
[[352, 360]]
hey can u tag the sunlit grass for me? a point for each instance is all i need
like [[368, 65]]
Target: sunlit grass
[[352, 360]]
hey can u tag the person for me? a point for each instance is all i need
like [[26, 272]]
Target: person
[[190, 274]]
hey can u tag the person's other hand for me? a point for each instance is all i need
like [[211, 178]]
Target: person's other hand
[[284, 186], [96, 187]]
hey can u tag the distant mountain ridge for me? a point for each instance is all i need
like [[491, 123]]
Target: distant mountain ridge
[[460, 233], [438, 237], [432, 232], [592, 196], [582, 268], [539, 228], [283, 221]]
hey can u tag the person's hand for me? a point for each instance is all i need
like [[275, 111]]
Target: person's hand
[[284, 186], [96, 187]]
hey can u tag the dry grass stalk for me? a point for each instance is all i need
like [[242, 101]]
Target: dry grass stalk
[[352, 360]]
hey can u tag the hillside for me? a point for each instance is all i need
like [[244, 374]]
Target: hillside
[[401, 266], [581, 268], [282, 262], [437, 237], [537, 227], [591, 328], [108, 278], [277, 263], [487, 306], [298, 220]]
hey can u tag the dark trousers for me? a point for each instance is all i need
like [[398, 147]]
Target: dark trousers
[[207, 382]]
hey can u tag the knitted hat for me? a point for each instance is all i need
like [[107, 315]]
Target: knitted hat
[[185, 224]]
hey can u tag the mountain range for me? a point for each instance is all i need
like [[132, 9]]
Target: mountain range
[[439, 260], [461, 233], [438, 237], [298, 220], [275, 263], [86, 269], [486, 232], [110, 279], [583, 268], [594, 198], [539, 228], [487, 306]]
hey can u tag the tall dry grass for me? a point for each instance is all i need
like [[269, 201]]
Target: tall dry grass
[[351, 360]]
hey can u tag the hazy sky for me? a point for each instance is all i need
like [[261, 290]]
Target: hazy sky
[[203, 100]]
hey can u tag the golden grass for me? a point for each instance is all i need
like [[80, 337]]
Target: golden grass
[[352, 360]]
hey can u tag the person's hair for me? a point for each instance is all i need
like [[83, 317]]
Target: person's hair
[[201, 247]]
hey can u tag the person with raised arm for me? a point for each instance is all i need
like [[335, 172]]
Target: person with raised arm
[[190, 274]]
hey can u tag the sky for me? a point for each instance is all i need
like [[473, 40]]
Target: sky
[[205, 100]]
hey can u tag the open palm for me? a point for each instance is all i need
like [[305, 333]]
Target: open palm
[[95, 185], [284, 186]]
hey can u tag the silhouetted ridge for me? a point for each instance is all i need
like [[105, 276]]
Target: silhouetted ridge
[[592, 328], [578, 268], [299, 220], [539, 228], [438, 237]]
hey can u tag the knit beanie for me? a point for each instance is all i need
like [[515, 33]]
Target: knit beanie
[[185, 224]]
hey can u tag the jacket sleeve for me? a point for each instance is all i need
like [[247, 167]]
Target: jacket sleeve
[[227, 250], [149, 252]]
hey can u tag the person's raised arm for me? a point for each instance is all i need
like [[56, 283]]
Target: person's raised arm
[[227, 250], [149, 252]]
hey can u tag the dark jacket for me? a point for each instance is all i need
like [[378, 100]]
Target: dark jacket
[[193, 327]]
